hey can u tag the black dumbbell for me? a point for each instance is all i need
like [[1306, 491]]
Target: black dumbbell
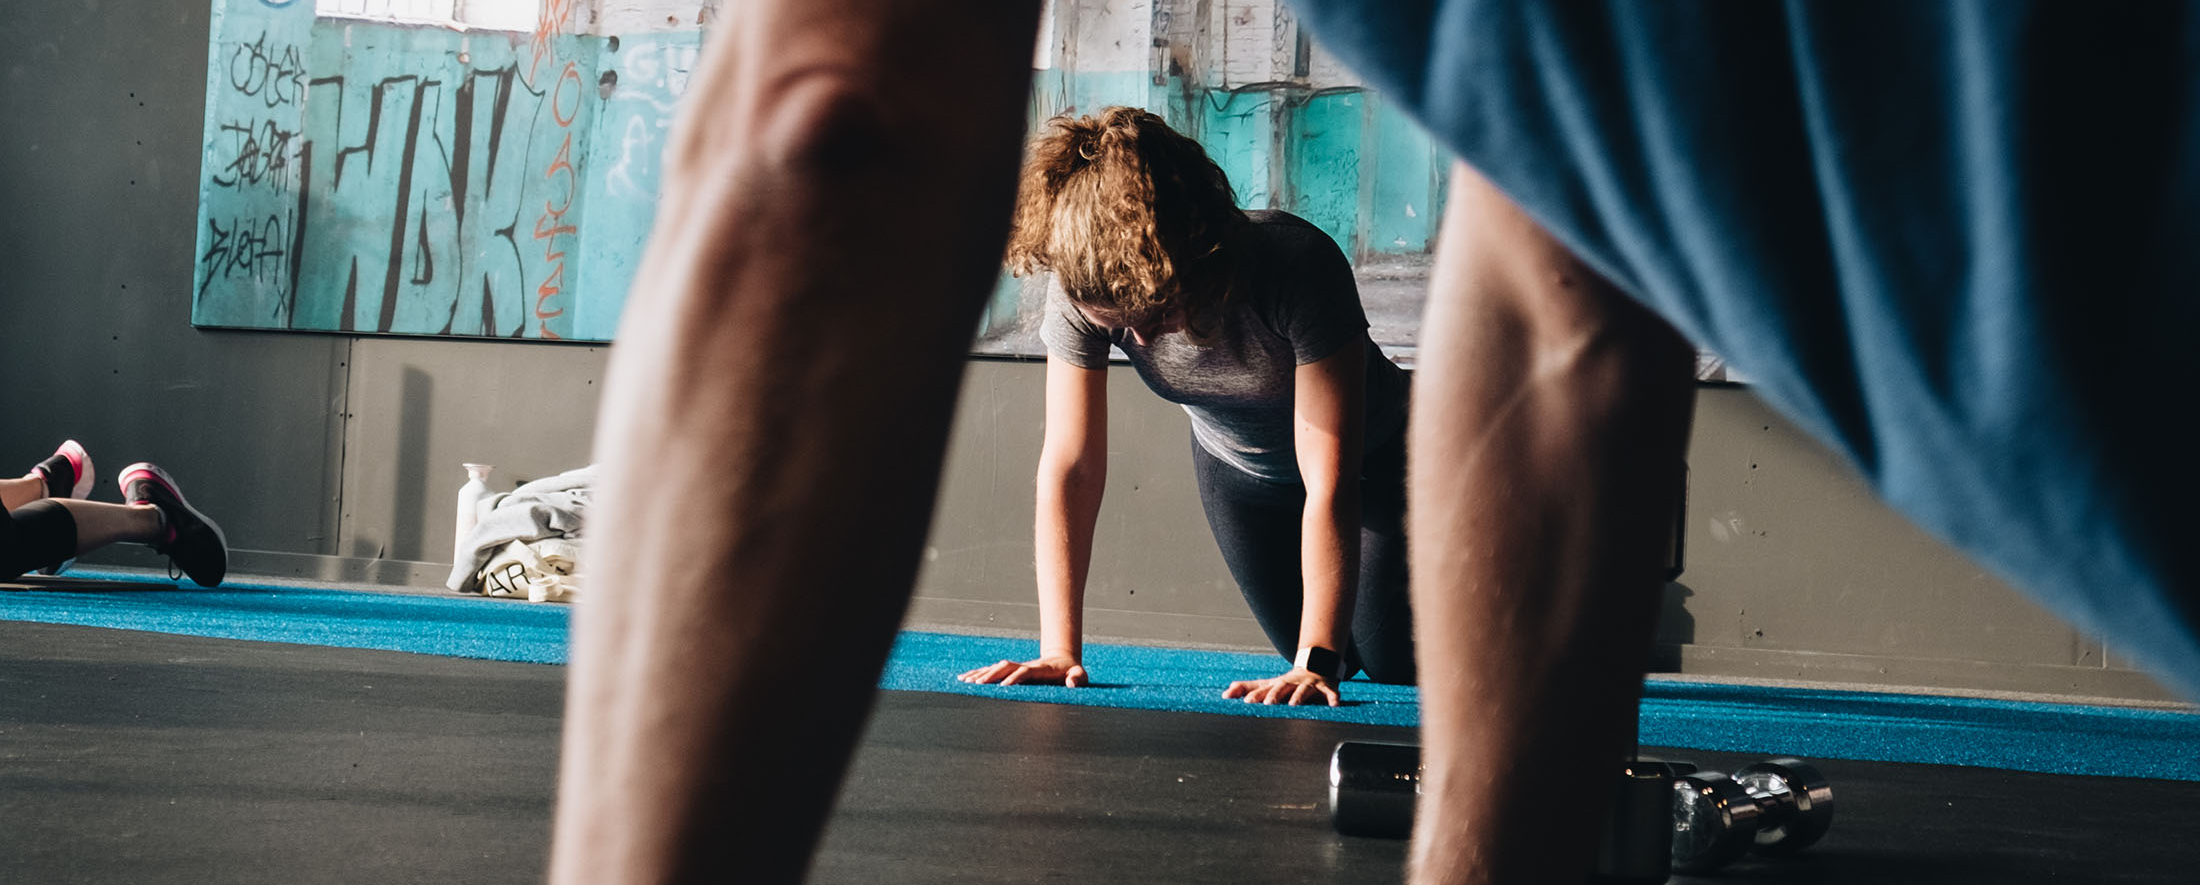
[[1774, 807], [1373, 788]]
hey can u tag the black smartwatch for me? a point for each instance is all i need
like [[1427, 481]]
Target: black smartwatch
[[1321, 661]]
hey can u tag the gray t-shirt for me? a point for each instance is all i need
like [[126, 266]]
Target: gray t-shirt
[[1293, 301]]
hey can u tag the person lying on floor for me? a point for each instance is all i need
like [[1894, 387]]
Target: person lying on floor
[[48, 522]]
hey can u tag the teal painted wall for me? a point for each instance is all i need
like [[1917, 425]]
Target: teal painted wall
[[371, 177], [1341, 158], [1404, 197], [381, 178]]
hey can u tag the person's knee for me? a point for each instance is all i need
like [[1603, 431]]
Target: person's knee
[[826, 126], [1386, 655], [802, 131], [1392, 669], [1559, 307]]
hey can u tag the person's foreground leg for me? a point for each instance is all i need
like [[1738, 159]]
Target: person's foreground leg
[[834, 209], [1550, 420]]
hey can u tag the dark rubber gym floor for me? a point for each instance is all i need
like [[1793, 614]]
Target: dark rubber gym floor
[[131, 757]]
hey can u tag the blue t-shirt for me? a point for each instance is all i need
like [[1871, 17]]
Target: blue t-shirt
[[1957, 241]]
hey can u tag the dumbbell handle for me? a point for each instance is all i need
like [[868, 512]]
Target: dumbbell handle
[[1373, 788], [1771, 811]]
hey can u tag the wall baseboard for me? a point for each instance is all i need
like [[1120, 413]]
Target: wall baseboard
[[1914, 674], [397, 574]]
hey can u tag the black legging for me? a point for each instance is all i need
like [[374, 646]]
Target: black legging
[[1257, 524], [33, 536]]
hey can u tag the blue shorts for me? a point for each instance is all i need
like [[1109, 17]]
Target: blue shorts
[[1959, 242]]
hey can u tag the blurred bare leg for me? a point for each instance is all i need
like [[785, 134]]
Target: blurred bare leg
[[835, 207], [1550, 419]]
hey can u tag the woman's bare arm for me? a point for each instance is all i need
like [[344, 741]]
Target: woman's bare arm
[[1072, 477]]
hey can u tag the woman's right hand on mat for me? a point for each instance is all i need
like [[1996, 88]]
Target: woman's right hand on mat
[[1046, 670]]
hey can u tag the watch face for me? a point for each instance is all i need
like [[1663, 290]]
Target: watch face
[[1319, 660]]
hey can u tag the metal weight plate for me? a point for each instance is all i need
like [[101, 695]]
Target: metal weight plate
[[1638, 834], [1714, 822], [1802, 794], [1373, 788]]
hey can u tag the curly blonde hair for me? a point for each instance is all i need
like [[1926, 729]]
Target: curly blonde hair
[[1129, 214]]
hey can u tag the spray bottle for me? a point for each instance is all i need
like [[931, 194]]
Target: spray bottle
[[469, 499]]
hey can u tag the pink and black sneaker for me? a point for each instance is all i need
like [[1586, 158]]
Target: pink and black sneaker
[[191, 541], [67, 472]]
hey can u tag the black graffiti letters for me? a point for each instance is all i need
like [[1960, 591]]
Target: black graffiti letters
[[257, 155], [273, 73], [254, 248]]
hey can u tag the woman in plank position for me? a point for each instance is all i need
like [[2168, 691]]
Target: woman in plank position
[[1252, 322]]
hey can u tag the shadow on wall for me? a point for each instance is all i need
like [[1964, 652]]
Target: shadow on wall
[[408, 471], [408, 538], [1676, 628]]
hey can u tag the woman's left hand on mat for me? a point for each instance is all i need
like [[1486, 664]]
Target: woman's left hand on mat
[[1046, 670], [1300, 686]]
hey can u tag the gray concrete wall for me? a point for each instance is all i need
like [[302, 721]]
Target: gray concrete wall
[[336, 456]]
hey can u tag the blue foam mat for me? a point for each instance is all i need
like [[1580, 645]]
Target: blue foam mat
[[2053, 738]]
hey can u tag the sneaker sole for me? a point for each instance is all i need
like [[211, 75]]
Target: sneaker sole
[[82, 461]]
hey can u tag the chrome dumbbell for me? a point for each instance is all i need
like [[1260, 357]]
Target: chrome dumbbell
[[1373, 788], [1774, 807]]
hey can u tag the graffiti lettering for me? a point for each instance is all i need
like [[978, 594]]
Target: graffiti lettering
[[640, 111], [558, 110], [562, 164], [274, 74], [253, 248], [440, 197], [555, 15], [545, 292], [257, 155], [551, 223]]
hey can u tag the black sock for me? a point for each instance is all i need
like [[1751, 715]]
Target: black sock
[[60, 475]]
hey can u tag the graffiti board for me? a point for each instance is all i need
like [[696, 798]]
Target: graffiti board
[[383, 178]]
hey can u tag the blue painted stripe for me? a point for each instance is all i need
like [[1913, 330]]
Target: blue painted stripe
[[2053, 738]]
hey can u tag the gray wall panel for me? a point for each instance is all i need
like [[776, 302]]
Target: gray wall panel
[[420, 409], [1153, 556], [1788, 550]]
